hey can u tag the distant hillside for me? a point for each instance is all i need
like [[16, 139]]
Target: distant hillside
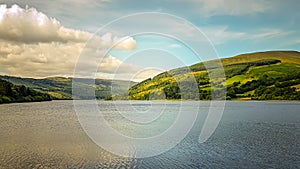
[[10, 93], [61, 88], [272, 75]]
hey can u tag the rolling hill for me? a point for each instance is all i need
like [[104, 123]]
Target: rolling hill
[[271, 75], [61, 88]]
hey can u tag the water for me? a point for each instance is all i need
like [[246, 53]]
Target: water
[[250, 135]]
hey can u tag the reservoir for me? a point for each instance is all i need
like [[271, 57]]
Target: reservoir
[[251, 134]]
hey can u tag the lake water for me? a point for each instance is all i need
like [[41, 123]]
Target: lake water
[[250, 135]]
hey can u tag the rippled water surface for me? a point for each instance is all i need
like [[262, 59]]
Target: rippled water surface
[[250, 135]]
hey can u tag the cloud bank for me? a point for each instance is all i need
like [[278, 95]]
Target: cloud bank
[[35, 45]]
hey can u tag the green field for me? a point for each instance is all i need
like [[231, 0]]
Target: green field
[[237, 78], [276, 70]]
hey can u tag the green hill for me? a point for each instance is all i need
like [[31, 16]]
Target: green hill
[[272, 75], [61, 88], [10, 93]]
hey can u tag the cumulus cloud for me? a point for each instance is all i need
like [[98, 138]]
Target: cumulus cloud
[[29, 26], [126, 42], [35, 45]]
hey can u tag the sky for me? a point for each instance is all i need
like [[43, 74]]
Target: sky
[[136, 39]]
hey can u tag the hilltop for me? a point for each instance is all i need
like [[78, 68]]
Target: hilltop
[[271, 75]]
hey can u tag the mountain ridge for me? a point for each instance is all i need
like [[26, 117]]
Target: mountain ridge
[[61, 87]]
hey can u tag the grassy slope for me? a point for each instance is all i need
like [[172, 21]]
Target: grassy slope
[[290, 64], [240, 69]]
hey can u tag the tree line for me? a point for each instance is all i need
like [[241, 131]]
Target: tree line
[[10, 93]]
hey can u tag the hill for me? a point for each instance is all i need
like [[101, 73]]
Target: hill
[[10, 93], [272, 75], [61, 87]]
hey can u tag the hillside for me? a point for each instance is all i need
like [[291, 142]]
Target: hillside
[[272, 75], [61, 88], [10, 93]]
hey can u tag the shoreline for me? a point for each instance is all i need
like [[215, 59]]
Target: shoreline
[[27, 102], [234, 100]]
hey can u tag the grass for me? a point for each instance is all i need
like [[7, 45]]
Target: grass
[[56, 95], [275, 70], [237, 78], [199, 72]]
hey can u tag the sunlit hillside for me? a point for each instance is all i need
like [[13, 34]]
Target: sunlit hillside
[[272, 75]]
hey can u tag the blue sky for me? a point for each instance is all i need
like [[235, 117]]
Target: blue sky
[[232, 26], [152, 47], [252, 17]]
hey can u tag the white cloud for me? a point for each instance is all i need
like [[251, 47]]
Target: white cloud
[[269, 33], [124, 43], [113, 65], [35, 45]]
